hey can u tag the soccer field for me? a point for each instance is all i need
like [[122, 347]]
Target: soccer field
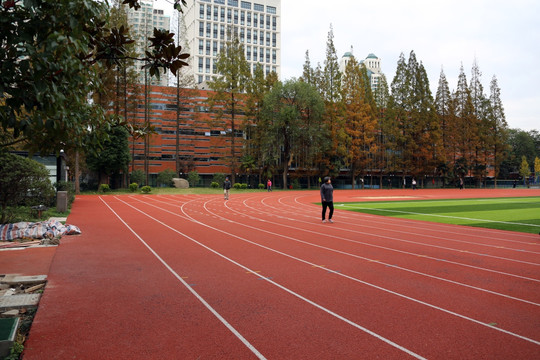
[[515, 214]]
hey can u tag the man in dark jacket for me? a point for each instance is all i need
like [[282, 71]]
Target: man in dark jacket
[[226, 187], [327, 199]]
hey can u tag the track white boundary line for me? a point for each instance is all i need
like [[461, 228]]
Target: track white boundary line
[[320, 307], [376, 246], [448, 228], [411, 242], [336, 273], [416, 228], [436, 215], [186, 285]]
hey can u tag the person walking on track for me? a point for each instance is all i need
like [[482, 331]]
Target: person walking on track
[[327, 199], [269, 185], [226, 188]]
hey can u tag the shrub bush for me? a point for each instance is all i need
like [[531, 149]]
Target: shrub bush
[[137, 176], [146, 189], [133, 187], [237, 186], [219, 178], [193, 178], [104, 188], [214, 185], [23, 182], [261, 186], [243, 186], [165, 177]]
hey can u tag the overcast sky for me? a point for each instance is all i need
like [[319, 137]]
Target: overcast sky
[[503, 37]]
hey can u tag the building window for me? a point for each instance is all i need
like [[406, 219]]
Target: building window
[[268, 22], [208, 65], [200, 79], [222, 14], [243, 18], [215, 31], [254, 53], [255, 23], [249, 36], [248, 53], [273, 39], [216, 11], [242, 34], [267, 39], [246, 5], [248, 19], [229, 16], [255, 36], [268, 56], [208, 12], [222, 32], [274, 23], [271, 9], [201, 28], [274, 56], [261, 55], [208, 30], [200, 64], [236, 17], [220, 2], [201, 12], [201, 47], [214, 51], [261, 42], [233, 3], [208, 47], [258, 7]]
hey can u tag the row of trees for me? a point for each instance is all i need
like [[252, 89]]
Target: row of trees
[[327, 121]]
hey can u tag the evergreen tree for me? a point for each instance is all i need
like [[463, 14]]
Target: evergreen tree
[[466, 121], [330, 88], [498, 129]]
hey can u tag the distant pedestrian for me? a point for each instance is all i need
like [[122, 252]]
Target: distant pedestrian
[[414, 184], [269, 185], [514, 184], [327, 199], [460, 183], [226, 188], [389, 183]]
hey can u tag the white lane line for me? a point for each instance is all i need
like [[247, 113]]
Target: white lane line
[[190, 288], [368, 244], [343, 275], [320, 307], [447, 228], [438, 215], [364, 225]]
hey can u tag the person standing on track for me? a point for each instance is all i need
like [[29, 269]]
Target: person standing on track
[[226, 188], [327, 199], [269, 185]]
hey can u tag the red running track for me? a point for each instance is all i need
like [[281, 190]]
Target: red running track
[[259, 276]]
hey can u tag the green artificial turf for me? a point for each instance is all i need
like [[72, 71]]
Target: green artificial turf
[[515, 214]]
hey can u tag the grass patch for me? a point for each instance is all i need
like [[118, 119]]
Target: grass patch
[[520, 214]]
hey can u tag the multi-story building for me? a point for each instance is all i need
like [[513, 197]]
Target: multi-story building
[[373, 66], [256, 23], [142, 23], [204, 138]]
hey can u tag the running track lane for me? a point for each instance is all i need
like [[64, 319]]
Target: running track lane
[[108, 278]]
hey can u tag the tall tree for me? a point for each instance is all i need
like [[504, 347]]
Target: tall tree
[[359, 117], [233, 76], [498, 129], [330, 88], [293, 111], [466, 121], [46, 74]]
